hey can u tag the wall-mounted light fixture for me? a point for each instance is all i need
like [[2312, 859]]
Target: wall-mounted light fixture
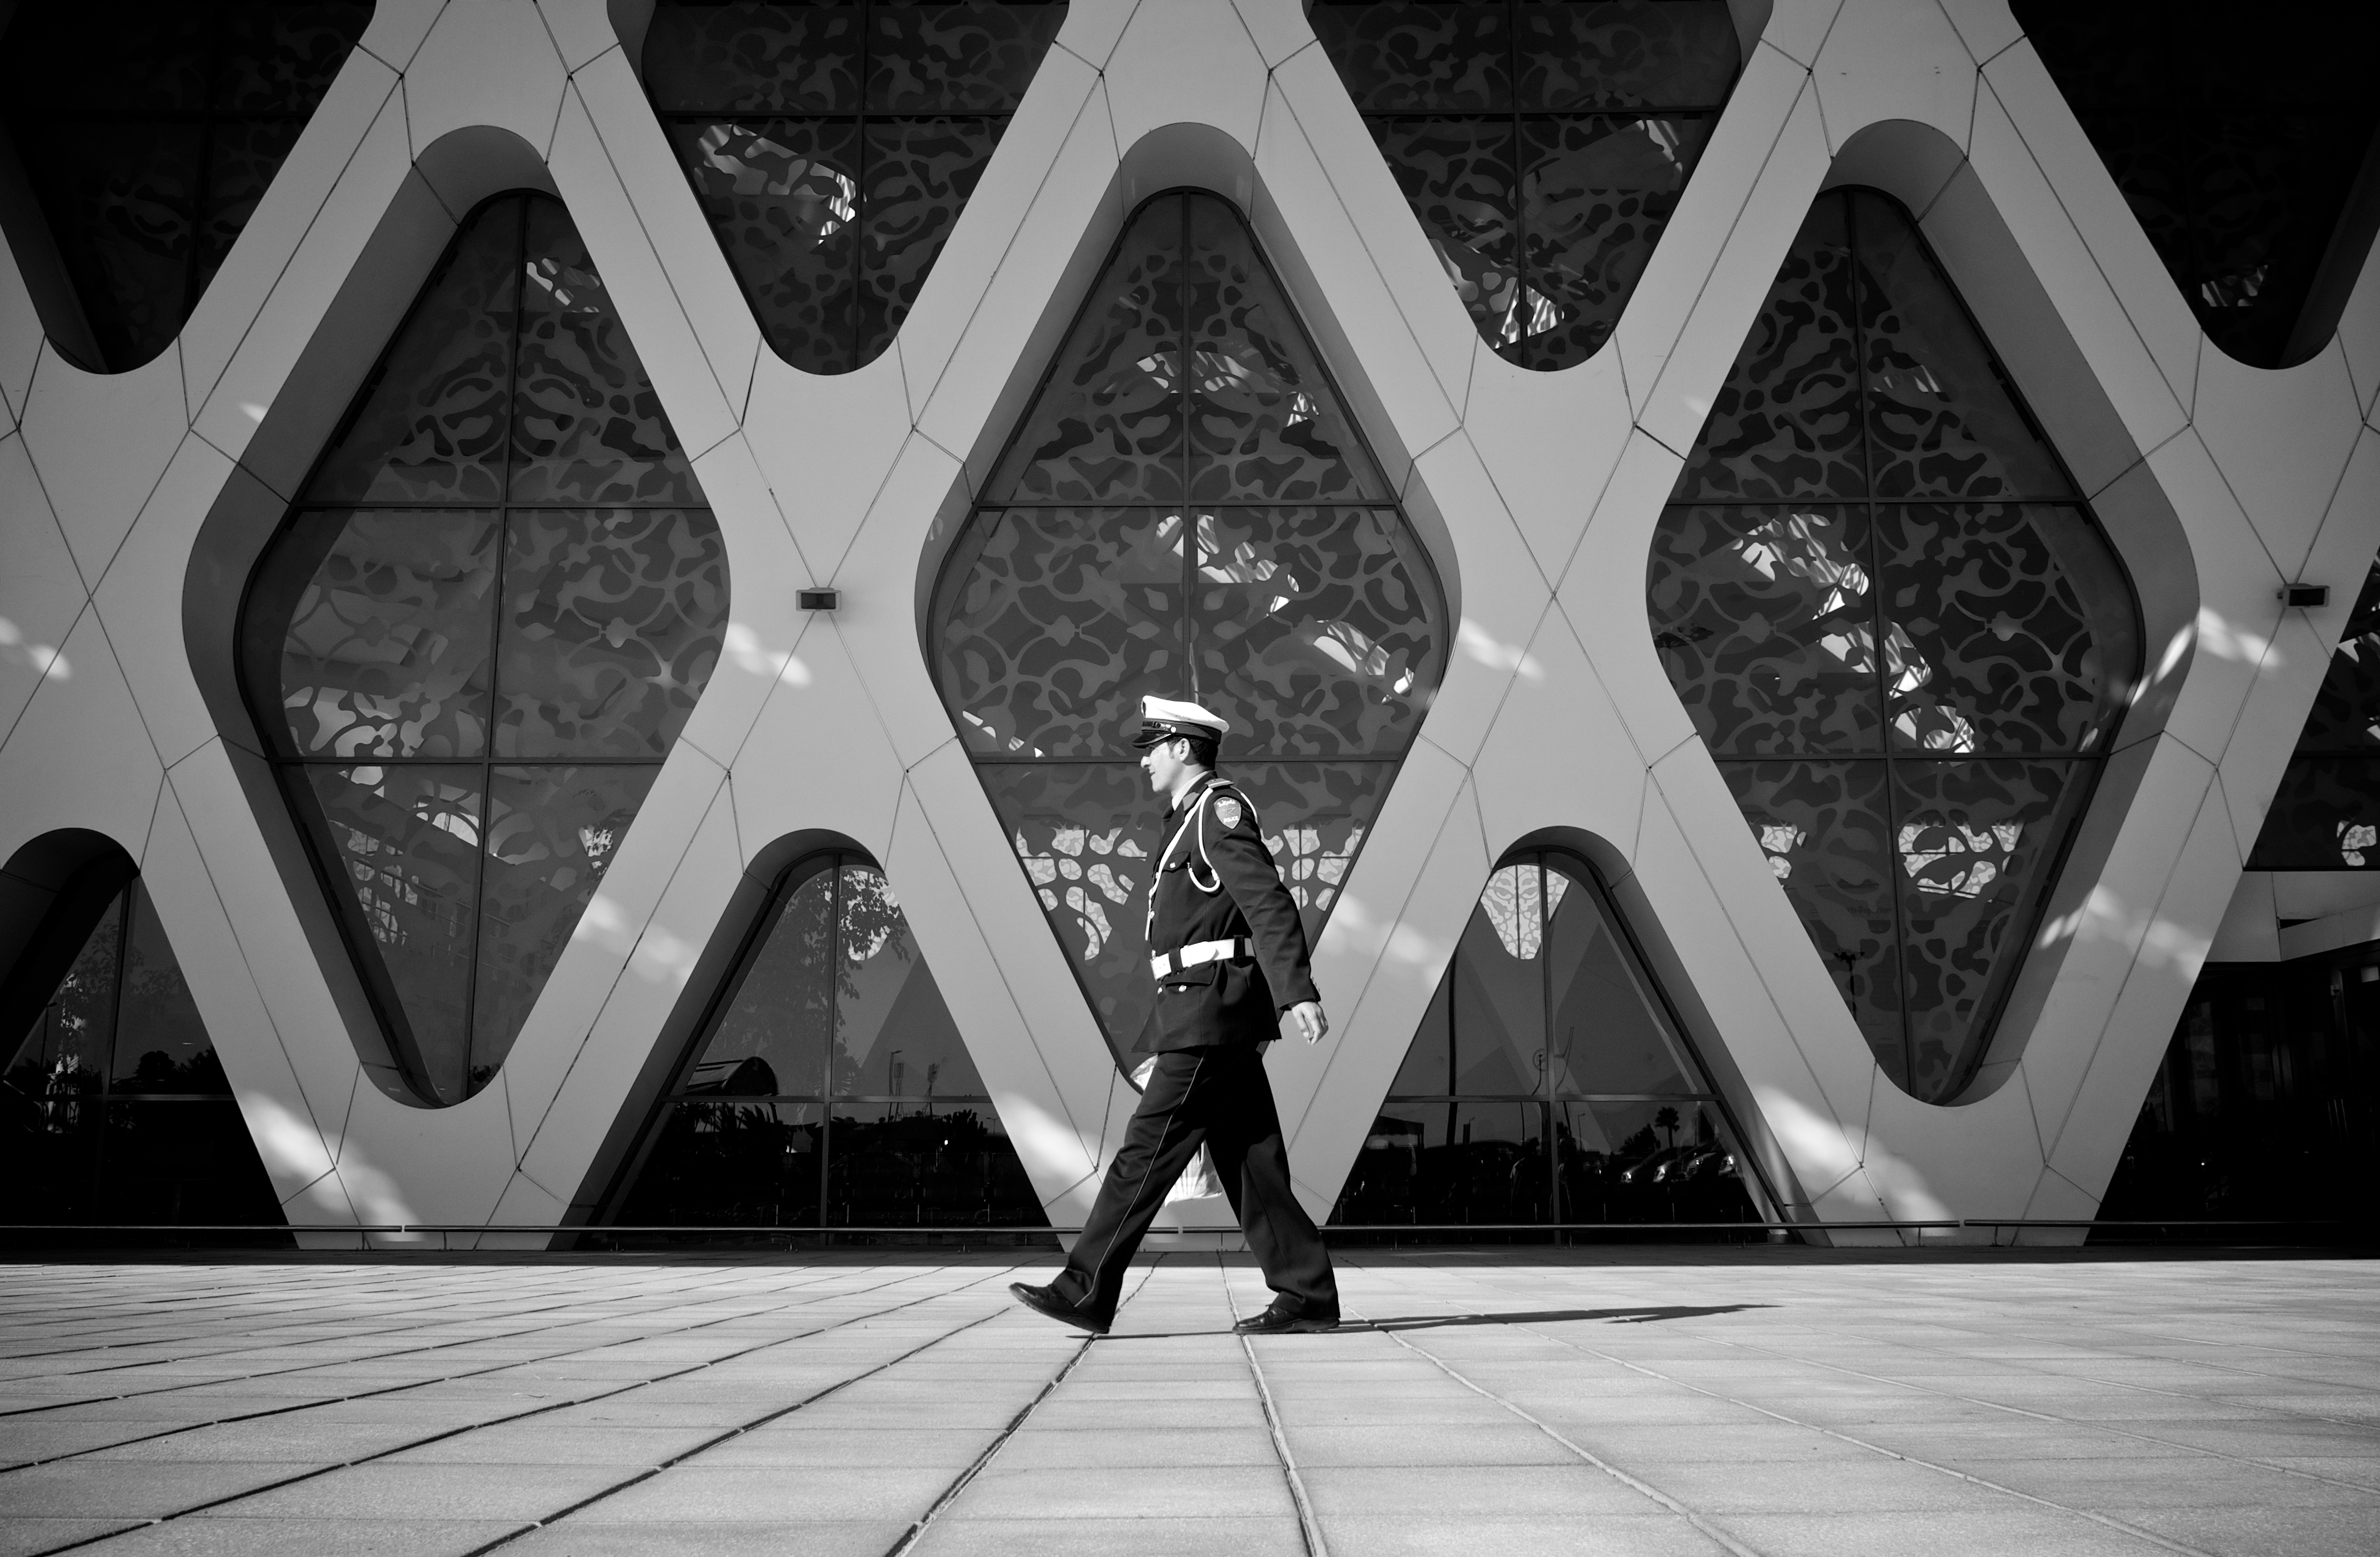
[[819, 599], [2306, 597]]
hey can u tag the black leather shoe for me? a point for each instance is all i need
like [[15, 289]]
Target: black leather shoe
[[1279, 1320], [1046, 1302]]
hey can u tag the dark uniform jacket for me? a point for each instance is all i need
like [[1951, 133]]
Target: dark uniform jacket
[[1240, 1001]]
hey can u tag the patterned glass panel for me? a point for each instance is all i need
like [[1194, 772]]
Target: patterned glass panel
[[1959, 666], [1316, 627], [1111, 426], [2327, 815], [404, 841], [114, 1107], [387, 652], [447, 596], [833, 1088], [834, 146], [1544, 1013], [148, 131], [433, 427], [1787, 425], [587, 426], [2240, 143], [551, 833], [1769, 626], [609, 628], [1458, 176], [1542, 146]]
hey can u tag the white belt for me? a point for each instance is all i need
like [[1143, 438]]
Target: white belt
[[1200, 952]]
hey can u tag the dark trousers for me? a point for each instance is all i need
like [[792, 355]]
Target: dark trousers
[[1220, 1099]]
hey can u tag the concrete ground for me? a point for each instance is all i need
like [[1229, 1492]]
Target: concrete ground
[[1496, 1401]]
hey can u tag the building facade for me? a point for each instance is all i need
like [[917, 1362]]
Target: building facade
[[1787, 576]]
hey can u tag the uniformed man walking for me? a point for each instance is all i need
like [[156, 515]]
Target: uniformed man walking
[[1229, 955]]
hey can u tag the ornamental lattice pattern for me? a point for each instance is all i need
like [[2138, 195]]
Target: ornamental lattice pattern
[[1895, 625], [1186, 511], [480, 631]]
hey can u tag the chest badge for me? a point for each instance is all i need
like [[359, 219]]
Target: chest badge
[[1227, 810]]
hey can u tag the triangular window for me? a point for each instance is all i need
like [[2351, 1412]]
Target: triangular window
[[1187, 510], [831, 1088], [2246, 147], [147, 131], [488, 617], [1543, 147], [834, 146], [117, 1108], [1547, 1083], [1899, 630]]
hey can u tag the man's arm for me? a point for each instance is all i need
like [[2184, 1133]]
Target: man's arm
[[1240, 857]]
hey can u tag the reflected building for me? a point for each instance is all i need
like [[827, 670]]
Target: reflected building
[[1547, 1084], [118, 1111]]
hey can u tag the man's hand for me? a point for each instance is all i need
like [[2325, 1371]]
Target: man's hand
[[1306, 1020]]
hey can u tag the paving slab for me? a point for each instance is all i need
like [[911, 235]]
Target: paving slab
[[2066, 1403]]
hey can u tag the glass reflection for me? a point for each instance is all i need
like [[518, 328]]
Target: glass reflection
[[2325, 815], [834, 146], [1542, 146], [2239, 140], [147, 131], [1315, 626], [833, 1088], [1545, 1084], [1895, 625], [481, 632], [114, 1107]]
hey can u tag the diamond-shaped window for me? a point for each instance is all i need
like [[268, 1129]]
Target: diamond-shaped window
[[1899, 630], [147, 132], [833, 145], [1185, 510], [1542, 146], [485, 622], [2245, 144]]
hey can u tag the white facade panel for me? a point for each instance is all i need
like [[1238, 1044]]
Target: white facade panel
[[1537, 494]]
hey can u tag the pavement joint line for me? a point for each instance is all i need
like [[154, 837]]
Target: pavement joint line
[[672, 1301], [2152, 1389], [357, 1395], [2112, 1523], [837, 1388], [1310, 1525], [298, 1368], [500, 1421], [264, 1305], [2365, 1487], [1635, 1483], [916, 1530], [1872, 1339], [461, 1301]]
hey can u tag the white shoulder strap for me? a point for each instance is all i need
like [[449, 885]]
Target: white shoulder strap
[[1197, 814]]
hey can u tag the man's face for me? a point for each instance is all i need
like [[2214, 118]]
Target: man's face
[[1163, 763]]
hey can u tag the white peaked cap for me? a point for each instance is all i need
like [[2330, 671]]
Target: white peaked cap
[[1164, 718]]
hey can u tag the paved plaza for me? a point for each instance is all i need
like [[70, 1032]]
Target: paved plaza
[[1508, 1402]]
